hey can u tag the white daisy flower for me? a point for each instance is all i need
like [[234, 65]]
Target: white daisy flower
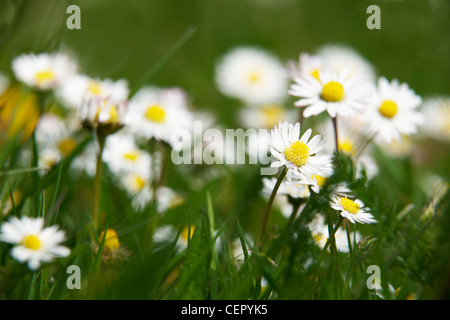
[[335, 57], [265, 116], [298, 154], [102, 114], [251, 75], [307, 64], [353, 210], [350, 139], [80, 87], [167, 233], [157, 113], [392, 111], [437, 115], [122, 154], [44, 71], [33, 243], [54, 138], [337, 93]]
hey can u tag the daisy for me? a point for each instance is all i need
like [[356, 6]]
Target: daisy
[[337, 93], [33, 243], [80, 87], [353, 210], [167, 233], [392, 111], [102, 115], [55, 139], [44, 71], [264, 116], [307, 64], [296, 153], [437, 114], [121, 154], [251, 75], [157, 113], [335, 57]]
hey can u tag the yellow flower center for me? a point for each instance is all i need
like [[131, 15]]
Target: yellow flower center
[[315, 74], [111, 239], [113, 114], [297, 153], [272, 114], [388, 109], [254, 77], [320, 180], [44, 76], [133, 155], [346, 146], [95, 88], [185, 233], [333, 92], [138, 183], [66, 146], [349, 205], [32, 242], [155, 113]]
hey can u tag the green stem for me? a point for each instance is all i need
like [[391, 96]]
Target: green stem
[[336, 139], [266, 216], [97, 220], [331, 238]]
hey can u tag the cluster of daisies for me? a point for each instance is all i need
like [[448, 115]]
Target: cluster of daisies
[[127, 131], [335, 83]]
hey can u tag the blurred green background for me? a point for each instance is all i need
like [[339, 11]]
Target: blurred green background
[[126, 38]]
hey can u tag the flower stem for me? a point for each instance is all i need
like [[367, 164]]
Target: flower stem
[[266, 216], [331, 237], [336, 139], [98, 184]]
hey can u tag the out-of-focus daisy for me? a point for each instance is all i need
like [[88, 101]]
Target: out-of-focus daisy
[[335, 57], [265, 116], [298, 154], [55, 139], [353, 210], [336, 93], [157, 113], [393, 111], [319, 231], [43, 71], [307, 64], [167, 233], [251, 75], [34, 244], [437, 115], [80, 87], [350, 142], [121, 154], [102, 115]]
